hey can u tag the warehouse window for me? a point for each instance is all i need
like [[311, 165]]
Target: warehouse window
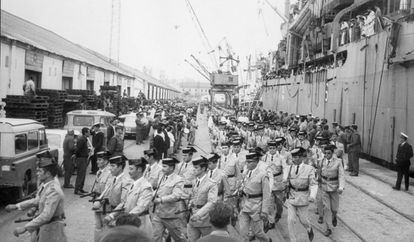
[[89, 85], [6, 61]]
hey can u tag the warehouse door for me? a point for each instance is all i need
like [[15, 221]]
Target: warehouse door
[[67, 83], [35, 76]]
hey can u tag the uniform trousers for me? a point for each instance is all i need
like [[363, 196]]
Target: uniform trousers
[[174, 226], [256, 227], [98, 226], [81, 164], [68, 167], [353, 161], [403, 170], [294, 212], [277, 206], [194, 233], [330, 206], [319, 201]]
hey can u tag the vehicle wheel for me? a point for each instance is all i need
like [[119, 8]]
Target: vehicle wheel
[[27, 186]]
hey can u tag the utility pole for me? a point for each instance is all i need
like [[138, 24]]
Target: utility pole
[[115, 34]]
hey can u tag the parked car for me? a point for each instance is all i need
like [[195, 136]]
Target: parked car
[[78, 119], [128, 121], [20, 141], [55, 138]]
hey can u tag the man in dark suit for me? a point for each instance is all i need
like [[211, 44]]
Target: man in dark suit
[[111, 130], [98, 138], [404, 154], [354, 150], [159, 142]]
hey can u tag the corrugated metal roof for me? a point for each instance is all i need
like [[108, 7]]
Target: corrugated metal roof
[[24, 31]]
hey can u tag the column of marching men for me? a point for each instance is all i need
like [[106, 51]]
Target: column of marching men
[[281, 165]]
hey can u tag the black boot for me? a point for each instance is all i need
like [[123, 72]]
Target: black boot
[[310, 234]]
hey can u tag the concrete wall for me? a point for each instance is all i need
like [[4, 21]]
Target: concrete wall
[[52, 73], [98, 81], [12, 76]]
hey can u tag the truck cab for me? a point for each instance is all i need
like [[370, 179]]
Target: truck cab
[[20, 141]]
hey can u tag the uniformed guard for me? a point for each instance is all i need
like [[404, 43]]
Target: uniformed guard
[[115, 192], [304, 142], [47, 225], [186, 170], [277, 187], [166, 203], [261, 139], [238, 153], [231, 169], [256, 199], [116, 143], [153, 171], [139, 196], [302, 188], [103, 174], [103, 178], [218, 175], [333, 181], [202, 199]]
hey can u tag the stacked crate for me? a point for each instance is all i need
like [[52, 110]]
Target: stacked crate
[[35, 108], [56, 102], [88, 98], [111, 93]]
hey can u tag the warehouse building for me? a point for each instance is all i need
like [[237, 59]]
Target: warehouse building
[[53, 62]]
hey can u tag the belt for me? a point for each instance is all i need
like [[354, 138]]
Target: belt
[[253, 195], [146, 212], [113, 207], [300, 189], [188, 186], [230, 176], [199, 206], [56, 218], [277, 174], [330, 178]]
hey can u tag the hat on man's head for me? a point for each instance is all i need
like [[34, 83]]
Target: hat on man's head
[[404, 135], [170, 161], [199, 161], [117, 159], [272, 143], [280, 140], [302, 133], [213, 157], [252, 156], [298, 152], [98, 124], [189, 150], [237, 141], [330, 147], [142, 162], [150, 152], [102, 154], [46, 161]]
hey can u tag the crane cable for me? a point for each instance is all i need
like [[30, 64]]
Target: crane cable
[[204, 38]]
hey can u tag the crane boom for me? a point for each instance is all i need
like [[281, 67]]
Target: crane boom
[[199, 71], [281, 15], [201, 65]]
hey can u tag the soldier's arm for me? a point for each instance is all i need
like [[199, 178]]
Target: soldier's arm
[[51, 203], [176, 193], [226, 186], [341, 175], [143, 201], [313, 184], [28, 203], [211, 200], [266, 203]]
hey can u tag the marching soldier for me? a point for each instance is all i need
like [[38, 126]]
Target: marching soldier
[[115, 191], [302, 188], [202, 199], [256, 199], [103, 175], [229, 166], [251, 141], [218, 175], [153, 171], [139, 196], [116, 143], [48, 224], [186, 170], [275, 168], [166, 203], [333, 181], [261, 139], [238, 153], [304, 143]]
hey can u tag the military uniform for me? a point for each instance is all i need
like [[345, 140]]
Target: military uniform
[[102, 178], [302, 184], [153, 174], [333, 179], [116, 146], [138, 202], [48, 226], [220, 178], [203, 197], [255, 201], [169, 190]]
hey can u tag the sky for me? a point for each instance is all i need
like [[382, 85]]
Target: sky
[[160, 34]]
